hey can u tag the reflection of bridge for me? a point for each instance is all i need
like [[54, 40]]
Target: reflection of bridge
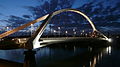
[[33, 42]]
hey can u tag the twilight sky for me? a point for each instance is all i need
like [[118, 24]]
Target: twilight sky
[[22, 9], [16, 7]]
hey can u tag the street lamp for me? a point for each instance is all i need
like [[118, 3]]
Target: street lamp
[[59, 31], [66, 32], [86, 34], [83, 32], [74, 32], [7, 28], [73, 29], [54, 32]]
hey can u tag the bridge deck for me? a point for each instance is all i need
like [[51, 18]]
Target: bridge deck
[[72, 40], [20, 42]]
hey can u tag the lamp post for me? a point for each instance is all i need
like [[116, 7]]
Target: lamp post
[[74, 32], [66, 33], [59, 31], [7, 28], [86, 34], [54, 32], [83, 32]]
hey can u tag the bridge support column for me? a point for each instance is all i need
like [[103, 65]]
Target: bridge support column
[[29, 60]]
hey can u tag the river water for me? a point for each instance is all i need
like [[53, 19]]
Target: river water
[[68, 56]]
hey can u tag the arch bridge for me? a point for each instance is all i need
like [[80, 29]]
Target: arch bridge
[[33, 41]]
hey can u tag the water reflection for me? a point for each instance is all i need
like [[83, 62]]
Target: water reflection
[[12, 55], [108, 50], [61, 56], [29, 58], [70, 56], [99, 55]]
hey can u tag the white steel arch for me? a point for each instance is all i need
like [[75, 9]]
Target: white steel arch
[[48, 19], [78, 12]]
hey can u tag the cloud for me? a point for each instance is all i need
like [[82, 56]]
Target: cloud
[[15, 20], [110, 29], [100, 13], [26, 16]]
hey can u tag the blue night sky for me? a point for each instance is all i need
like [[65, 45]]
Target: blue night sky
[[15, 7], [23, 11]]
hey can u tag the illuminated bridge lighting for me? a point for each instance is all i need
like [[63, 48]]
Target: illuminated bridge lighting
[[33, 42]]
